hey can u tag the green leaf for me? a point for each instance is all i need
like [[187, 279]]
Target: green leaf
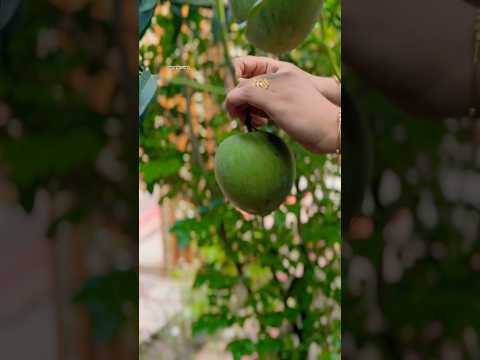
[[106, 298], [274, 319], [146, 9], [172, 25], [182, 230], [210, 323], [316, 231], [215, 279], [329, 356], [239, 348], [269, 346], [35, 158], [183, 81], [205, 210], [158, 169], [147, 85]]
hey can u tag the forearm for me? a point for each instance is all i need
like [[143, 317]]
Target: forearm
[[327, 131]]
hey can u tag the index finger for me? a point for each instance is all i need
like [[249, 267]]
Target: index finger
[[249, 66], [245, 96]]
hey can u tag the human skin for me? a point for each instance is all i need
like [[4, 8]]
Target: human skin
[[418, 53], [305, 106]]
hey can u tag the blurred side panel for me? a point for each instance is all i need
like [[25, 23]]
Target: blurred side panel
[[68, 179], [411, 181]]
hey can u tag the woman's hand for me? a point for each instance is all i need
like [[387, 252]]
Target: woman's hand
[[305, 106]]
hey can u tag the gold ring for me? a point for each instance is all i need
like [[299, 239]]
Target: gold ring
[[262, 84]]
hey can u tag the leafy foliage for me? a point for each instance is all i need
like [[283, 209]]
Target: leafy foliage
[[147, 84], [278, 275], [61, 130], [110, 299], [146, 9]]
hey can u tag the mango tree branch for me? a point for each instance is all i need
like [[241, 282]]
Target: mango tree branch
[[238, 267], [220, 9], [187, 94]]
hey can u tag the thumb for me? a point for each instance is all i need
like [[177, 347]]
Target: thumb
[[246, 95]]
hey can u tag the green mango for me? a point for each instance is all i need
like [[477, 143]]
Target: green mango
[[255, 171], [278, 26], [240, 9]]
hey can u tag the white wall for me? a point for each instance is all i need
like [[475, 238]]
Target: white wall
[[151, 249]]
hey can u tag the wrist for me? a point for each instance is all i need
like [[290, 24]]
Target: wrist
[[330, 135], [329, 87]]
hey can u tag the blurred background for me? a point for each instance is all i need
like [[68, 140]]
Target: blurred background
[[411, 255], [68, 179], [216, 283]]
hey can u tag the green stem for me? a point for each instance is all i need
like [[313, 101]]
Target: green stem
[[220, 8], [331, 57]]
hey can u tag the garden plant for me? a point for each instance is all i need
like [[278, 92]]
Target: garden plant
[[278, 272]]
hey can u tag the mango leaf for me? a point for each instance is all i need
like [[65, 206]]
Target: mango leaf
[[183, 81], [239, 348], [273, 318], [146, 9], [158, 169], [269, 346], [329, 356], [172, 26], [215, 279], [182, 230], [210, 323], [315, 231], [203, 210], [105, 297], [56, 154], [147, 85]]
